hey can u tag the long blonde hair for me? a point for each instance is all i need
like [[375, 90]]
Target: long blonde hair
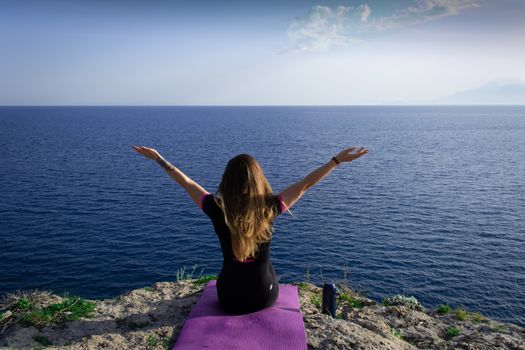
[[246, 201]]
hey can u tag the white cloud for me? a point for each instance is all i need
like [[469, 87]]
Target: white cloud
[[365, 12], [423, 11], [324, 28]]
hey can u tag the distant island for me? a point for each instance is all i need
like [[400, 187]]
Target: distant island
[[496, 92]]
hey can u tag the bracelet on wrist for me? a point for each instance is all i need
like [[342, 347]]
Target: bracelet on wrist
[[164, 163], [336, 161]]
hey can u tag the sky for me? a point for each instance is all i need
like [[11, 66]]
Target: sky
[[255, 52]]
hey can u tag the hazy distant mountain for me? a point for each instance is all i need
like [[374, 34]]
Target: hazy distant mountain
[[497, 92]]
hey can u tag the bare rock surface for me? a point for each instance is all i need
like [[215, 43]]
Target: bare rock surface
[[151, 318]]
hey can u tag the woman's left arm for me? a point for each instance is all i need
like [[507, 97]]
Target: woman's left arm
[[195, 190]]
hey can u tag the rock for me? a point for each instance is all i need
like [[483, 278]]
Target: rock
[[151, 318]]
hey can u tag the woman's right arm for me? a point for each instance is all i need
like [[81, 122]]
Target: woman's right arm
[[294, 192]]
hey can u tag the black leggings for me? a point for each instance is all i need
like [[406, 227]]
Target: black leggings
[[247, 291]]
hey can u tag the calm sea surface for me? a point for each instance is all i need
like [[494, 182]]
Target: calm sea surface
[[436, 209]]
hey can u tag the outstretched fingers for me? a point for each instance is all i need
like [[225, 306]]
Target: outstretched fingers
[[362, 151], [142, 150], [137, 148], [358, 152]]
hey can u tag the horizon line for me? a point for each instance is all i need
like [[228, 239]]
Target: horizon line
[[275, 105]]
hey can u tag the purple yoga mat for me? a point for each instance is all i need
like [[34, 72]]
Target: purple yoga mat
[[277, 327]]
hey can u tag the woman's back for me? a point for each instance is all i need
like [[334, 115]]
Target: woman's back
[[243, 286]]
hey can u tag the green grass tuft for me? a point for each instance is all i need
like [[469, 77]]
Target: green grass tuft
[[500, 328], [152, 341], [37, 318], [23, 304], [350, 300], [478, 318], [316, 300], [397, 333], [461, 314], [70, 309], [452, 331], [42, 340], [204, 279], [302, 285], [403, 300], [182, 275], [149, 289], [444, 309]]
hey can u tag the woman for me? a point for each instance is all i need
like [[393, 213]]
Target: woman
[[242, 212]]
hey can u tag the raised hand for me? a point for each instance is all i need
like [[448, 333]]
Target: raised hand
[[349, 154], [147, 152]]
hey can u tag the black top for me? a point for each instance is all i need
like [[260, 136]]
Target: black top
[[216, 215]]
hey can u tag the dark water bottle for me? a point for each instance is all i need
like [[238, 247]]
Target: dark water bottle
[[329, 299]]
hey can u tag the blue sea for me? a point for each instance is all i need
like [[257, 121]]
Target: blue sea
[[436, 209]]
